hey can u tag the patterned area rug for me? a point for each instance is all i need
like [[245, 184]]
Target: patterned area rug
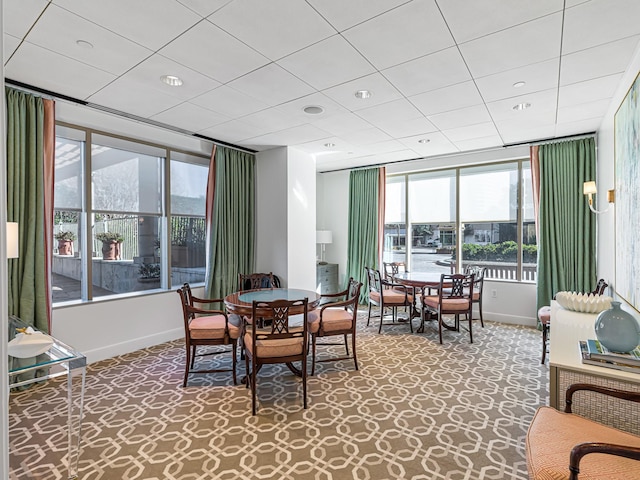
[[415, 410]]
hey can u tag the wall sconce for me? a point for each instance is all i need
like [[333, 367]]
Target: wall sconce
[[323, 237], [589, 189], [12, 240]]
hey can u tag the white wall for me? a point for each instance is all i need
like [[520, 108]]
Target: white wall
[[286, 216], [514, 302], [605, 179]]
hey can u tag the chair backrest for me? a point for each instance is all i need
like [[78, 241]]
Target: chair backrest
[[251, 281], [456, 287], [280, 313], [353, 294], [187, 304], [374, 280], [479, 273], [391, 269], [600, 287]]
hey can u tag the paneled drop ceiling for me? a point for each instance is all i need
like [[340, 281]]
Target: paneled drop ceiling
[[444, 76]]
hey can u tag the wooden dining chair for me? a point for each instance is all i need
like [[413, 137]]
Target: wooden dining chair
[[455, 298], [383, 294], [338, 317], [283, 341], [206, 327], [478, 286], [251, 281]]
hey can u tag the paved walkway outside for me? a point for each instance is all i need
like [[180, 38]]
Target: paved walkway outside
[[65, 289]]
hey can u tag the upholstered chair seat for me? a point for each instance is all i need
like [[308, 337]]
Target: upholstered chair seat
[[393, 297], [283, 347], [333, 319], [452, 304], [213, 326]]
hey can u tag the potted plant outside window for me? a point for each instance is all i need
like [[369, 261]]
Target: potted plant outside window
[[110, 245], [65, 242]]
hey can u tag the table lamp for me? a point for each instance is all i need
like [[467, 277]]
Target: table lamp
[[323, 237]]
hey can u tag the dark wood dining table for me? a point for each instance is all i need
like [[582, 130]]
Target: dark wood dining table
[[419, 281]]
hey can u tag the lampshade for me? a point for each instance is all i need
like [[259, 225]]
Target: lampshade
[[324, 236], [12, 240], [589, 188]]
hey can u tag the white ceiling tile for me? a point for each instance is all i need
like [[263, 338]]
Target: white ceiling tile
[[272, 85], [396, 110], [342, 123], [294, 109], [596, 89], [406, 128], [132, 97], [148, 73], [461, 117], [213, 52], [479, 143], [599, 21], [272, 120], [438, 144], [410, 31], [543, 107], [598, 61], [578, 127], [511, 133], [324, 148], [327, 63], [9, 45], [190, 117], [151, 23], [59, 29], [233, 131], [204, 8], [486, 129], [296, 25], [531, 42], [291, 136], [537, 77], [430, 72], [51, 71], [366, 136], [581, 111], [343, 15], [381, 92], [229, 102], [469, 20], [446, 99], [18, 16]]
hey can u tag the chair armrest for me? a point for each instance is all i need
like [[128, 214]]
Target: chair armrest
[[386, 283], [343, 303], [334, 295], [623, 394], [583, 449], [206, 300], [206, 311]]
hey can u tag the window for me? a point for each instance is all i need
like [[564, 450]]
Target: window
[[115, 216], [490, 205]]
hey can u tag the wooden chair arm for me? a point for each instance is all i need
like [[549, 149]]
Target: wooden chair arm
[[343, 303], [386, 283], [207, 312], [622, 394], [206, 300], [334, 295], [583, 449]]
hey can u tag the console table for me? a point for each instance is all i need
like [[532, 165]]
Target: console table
[[566, 368], [59, 360]]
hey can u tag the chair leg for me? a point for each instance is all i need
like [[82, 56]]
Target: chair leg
[[381, 317], [544, 344], [480, 311], [346, 344], [234, 360], [304, 382], [313, 354], [440, 326], [369, 315], [187, 363], [247, 372], [470, 317], [353, 348], [254, 394]]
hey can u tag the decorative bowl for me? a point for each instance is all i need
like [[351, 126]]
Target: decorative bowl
[[584, 302], [29, 344]]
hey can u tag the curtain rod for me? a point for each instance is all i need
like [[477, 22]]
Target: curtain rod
[[58, 96], [507, 145]]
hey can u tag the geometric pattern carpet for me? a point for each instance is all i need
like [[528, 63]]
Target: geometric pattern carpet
[[415, 410]]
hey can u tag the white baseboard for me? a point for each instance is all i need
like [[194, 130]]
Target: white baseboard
[[114, 350], [512, 319]]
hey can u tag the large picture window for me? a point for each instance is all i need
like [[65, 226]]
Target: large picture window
[[113, 233], [480, 215]]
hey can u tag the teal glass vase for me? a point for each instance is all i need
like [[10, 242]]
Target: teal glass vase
[[617, 329]]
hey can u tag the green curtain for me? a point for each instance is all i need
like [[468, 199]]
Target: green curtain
[[362, 243], [232, 229], [25, 205], [567, 238]]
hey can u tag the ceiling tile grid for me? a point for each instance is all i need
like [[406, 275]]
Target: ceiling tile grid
[[445, 72]]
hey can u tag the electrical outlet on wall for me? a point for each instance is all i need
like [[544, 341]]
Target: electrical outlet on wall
[[494, 293]]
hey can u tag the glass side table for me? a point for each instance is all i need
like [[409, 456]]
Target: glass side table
[[59, 360]]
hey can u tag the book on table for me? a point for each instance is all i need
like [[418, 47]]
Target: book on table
[[618, 361], [597, 351]]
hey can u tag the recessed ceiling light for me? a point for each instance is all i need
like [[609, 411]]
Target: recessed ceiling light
[[424, 140], [519, 84], [329, 145], [313, 110], [171, 80], [363, 94], [521, 106], [84, 44]]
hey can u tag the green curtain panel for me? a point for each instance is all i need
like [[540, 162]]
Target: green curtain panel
[[362, 246], [567, 239], [25, 205], [232, 229]]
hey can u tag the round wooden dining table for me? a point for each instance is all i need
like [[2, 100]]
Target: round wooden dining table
[[241, 303], [423, 281]]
